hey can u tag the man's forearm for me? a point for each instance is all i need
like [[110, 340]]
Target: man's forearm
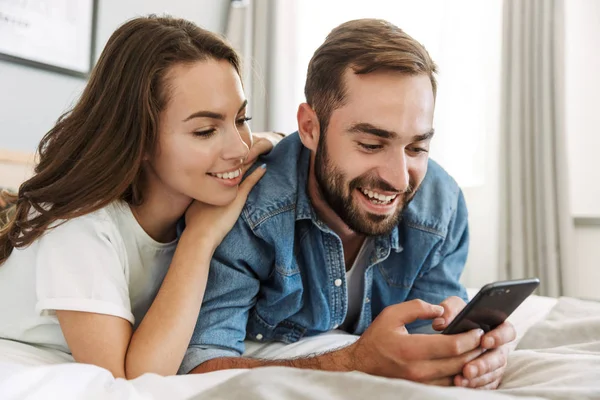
[[337, 360]]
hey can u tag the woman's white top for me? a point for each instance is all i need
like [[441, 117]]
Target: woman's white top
[[102, 262]]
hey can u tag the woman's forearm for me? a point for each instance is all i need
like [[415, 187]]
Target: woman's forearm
[[159, 343]]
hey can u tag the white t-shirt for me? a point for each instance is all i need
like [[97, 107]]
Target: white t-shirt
[[103, 262], [355, 282]]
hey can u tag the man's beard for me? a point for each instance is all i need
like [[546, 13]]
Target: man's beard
[[331, 182]]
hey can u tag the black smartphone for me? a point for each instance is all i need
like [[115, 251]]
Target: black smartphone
[[492, 305]]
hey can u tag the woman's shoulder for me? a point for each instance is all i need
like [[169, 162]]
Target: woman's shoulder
[[102, 223], [67, 240]]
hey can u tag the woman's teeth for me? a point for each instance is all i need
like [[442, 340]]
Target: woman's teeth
[[228, 175], [378, 198]]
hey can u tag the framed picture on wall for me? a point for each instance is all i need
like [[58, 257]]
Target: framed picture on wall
[[56, 35]]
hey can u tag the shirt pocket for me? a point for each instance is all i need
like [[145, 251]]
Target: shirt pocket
[[395, 275]]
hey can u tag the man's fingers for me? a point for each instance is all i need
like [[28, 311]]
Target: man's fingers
[[491, 386], [409, 311], [444, 346], [452, 306], [432, 370], [505, 333], [488, 362], [487, 381]]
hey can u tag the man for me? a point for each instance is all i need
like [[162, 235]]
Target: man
[[353, 227]]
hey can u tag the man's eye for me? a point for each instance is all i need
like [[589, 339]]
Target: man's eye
[[370, 147], [417, 149]]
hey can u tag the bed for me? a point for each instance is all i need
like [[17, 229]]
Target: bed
[[557, 357]]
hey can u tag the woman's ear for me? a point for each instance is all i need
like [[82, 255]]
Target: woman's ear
[[308, 126]]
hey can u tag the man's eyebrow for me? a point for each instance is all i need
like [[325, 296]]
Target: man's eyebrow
[[212, 114], [386, 134], [424, 136], [364, 127]]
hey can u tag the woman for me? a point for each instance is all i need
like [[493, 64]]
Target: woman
[[89, 258]]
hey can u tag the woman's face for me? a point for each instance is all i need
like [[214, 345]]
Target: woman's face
[[203, 135]]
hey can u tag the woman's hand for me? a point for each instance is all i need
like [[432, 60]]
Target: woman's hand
[[261, 143], [214, 222]]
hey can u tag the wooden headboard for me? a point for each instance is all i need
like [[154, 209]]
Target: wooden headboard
[[15, 167]]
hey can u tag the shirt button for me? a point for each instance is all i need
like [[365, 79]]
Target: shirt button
[[367, 300], [259, 337], [338, 282]]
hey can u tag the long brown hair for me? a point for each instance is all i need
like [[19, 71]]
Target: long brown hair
[[365, 45], [94, 153]]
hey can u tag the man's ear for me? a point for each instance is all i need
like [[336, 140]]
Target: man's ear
[[308, 126]]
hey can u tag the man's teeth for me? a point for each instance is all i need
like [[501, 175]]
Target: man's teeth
[[377, 196], [228, 175]]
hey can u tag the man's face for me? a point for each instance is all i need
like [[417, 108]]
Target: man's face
[[373, 155]]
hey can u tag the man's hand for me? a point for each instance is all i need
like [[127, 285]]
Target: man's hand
[[387, 349], [485, 372]]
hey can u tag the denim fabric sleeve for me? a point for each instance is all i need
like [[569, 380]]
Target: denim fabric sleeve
[[196, 355], [443, 279], [231, 291]]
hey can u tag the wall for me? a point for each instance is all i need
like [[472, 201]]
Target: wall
[[30, 102], [32, 99], [582, 66]]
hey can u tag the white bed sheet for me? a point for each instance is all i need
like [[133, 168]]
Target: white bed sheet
[[33, 373]]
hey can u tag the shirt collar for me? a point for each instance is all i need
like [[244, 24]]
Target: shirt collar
[[304, 208]]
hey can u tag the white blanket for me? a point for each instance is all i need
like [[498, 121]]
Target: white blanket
[[558, 358]]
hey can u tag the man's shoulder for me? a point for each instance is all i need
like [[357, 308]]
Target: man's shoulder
[[435, 202], [277, 190]]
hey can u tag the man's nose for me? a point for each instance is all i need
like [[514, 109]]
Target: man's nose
[[396, 173]]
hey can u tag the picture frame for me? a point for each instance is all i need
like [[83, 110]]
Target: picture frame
[[54, 35]]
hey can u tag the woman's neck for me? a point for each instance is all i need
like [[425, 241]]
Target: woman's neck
[[161, 210]]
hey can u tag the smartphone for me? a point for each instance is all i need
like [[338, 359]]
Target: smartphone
[[492, 305]]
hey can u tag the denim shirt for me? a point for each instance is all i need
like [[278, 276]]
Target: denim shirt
[[280, 274]]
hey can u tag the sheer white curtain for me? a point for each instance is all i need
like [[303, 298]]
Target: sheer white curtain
[[537, 226], [264, 34]]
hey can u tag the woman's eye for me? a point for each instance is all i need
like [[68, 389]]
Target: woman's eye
[[205, 134], [243, 120]]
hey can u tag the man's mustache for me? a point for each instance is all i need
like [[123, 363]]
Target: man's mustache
[[379, 184]]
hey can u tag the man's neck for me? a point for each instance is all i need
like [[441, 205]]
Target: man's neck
[[351, 241]]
